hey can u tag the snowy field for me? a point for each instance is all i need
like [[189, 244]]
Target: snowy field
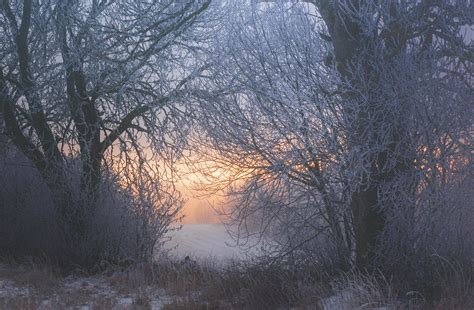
[[203, 241]]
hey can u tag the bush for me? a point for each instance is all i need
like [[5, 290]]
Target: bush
[[127, 225], [432, 249]]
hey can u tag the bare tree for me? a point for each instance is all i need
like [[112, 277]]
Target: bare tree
[[102, 81], [345, 108], [373, 45]]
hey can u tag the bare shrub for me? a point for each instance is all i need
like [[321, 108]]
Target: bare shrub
[[127, 226], [430, 248]]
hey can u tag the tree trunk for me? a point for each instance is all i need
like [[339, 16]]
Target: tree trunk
[[348, 41], [368, 222], [90, 179]]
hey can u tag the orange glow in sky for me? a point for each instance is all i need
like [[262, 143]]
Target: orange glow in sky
[[198, 206]]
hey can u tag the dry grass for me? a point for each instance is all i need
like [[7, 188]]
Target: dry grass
[[242, 286], [39, 277], [258, 286], [189, 285], [37, 286], [190, 303], [359, 291]]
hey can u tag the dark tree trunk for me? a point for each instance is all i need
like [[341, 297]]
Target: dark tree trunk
[[90, 178], [368, 222], [348, 41]]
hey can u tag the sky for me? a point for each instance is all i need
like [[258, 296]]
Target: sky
[[198, 205]]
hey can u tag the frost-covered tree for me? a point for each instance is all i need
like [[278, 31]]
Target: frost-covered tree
[[394, 58], [101, 81], [347, 117]]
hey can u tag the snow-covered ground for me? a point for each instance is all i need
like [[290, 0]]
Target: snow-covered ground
[[203, 241]]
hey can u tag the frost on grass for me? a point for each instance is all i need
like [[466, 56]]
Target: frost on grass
[[74, 291]]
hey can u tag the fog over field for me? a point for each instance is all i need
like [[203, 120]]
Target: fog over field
[[208, 242]]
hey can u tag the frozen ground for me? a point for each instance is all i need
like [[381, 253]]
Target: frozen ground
[[36, 287], [203, 241]]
